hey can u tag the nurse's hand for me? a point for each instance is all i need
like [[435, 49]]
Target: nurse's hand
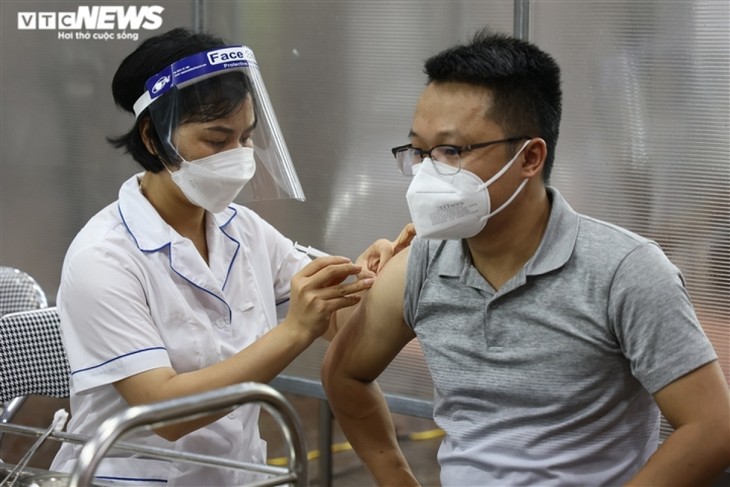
[[318, 290], [382, 250]]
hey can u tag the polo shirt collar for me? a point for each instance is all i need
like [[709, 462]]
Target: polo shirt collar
[[553, 252], [559, 239], [146, 226]]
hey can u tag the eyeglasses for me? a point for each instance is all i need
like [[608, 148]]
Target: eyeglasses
[[407, 156]]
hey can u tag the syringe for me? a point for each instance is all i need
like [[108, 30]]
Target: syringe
[[310, 251]]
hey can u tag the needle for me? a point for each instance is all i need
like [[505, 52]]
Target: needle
[[310, 251]]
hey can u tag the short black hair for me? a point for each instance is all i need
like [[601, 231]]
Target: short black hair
[[224, 94], [524, 82]]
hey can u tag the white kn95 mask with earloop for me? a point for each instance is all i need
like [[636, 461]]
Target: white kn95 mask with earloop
[[452, 206], [213, 182]]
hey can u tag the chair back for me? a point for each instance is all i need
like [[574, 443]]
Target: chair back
[[32, 357], [19, 292]]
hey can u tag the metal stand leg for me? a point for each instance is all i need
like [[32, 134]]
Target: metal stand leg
[[325, 444], [8, 411]]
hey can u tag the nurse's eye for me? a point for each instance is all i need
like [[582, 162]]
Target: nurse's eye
[[246, 140], [215, 143]]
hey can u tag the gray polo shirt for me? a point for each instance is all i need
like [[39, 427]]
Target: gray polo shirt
[[548, 381]]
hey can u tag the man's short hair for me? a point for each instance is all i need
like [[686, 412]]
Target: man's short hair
[[523, 80]]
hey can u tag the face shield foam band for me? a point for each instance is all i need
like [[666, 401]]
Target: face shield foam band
[[192, 69], [218, 78]]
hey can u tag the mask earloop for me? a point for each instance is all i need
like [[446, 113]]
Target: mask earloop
[[496, 176], [514, 195]]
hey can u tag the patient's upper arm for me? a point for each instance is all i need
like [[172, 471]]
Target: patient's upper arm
[[376, 331]]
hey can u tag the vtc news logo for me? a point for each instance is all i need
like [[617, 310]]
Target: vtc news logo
[[94, 18]]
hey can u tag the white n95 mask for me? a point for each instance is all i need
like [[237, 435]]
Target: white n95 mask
[[213, 182], [453, 206]]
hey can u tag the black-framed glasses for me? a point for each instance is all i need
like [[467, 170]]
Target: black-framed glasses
[[407, 156]]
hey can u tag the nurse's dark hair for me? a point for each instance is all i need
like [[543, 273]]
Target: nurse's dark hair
[[221, 96], [523, 80]]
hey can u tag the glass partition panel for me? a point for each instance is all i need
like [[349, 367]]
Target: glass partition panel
[[644, 139]]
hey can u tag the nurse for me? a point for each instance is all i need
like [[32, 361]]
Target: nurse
[[173, 289]]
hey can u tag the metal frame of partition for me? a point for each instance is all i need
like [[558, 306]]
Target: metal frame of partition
[[175, 410], [521, 28]]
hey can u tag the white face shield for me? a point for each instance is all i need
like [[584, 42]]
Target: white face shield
[[221, 84]]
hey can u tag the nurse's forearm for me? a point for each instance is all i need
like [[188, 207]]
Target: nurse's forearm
[[260, 362]]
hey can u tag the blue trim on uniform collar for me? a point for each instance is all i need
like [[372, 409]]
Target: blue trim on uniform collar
[[238, 244], [131, 233], [147, 228], [225, 217], [230, 312]]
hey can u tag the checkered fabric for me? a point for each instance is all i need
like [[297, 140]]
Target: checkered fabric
[[32, 357], [19, 292]]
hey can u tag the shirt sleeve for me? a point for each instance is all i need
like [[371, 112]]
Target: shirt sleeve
[[105, 319], [291, 262], [284, 259], [654, 320]]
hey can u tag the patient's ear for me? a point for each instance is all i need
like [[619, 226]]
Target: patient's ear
[[533, 157]]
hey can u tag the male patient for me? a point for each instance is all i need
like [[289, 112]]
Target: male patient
[[554, 340]]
